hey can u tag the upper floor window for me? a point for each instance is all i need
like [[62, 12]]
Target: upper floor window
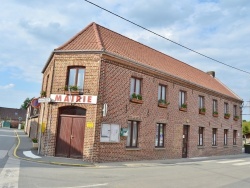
[[226, 108], [76, 78], [182, 99], [135, 88], [202, 108], [215, 107], [235, 110], [162, 93]]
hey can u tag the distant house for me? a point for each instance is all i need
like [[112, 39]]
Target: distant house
[[12, 115], [115, 99]]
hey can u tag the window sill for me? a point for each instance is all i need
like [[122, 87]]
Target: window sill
[[214, 146], [235, 146], [159, 148], [215, 115], [226, 146], [72, 92], [200, 147], [136, 101], [133, 149]]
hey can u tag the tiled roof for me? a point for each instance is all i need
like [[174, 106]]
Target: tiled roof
[[12, 113], [96, 37]]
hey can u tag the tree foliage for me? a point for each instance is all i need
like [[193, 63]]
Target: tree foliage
[[25, 103], [245, 129]]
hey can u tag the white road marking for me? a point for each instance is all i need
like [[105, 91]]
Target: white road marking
[[199, 158], [7, 135], [208, 161], [30, 155], [3, 153], [94, 185], [231, 161], [241, 164], [10, 174]]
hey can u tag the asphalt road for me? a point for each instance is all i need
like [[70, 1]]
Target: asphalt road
[[207, 173]]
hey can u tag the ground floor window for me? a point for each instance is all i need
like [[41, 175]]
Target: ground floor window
[[234, 137], [132, 138], [159, 138], [201, 136], [225, 136], [214, 137]]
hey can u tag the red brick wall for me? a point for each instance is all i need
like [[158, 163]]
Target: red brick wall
[[115, 90]]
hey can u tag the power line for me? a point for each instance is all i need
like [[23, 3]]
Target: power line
[[168, 38]]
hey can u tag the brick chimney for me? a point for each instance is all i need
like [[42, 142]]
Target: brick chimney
[[211, 73]]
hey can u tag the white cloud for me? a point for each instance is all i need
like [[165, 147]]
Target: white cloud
[[7, 86]]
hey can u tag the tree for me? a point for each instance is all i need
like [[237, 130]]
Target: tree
[[25, 103], [245, 129]]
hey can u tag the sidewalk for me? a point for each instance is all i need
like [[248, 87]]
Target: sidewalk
[[25, 151]]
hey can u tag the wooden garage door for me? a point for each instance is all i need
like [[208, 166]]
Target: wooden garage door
[[70, 136]]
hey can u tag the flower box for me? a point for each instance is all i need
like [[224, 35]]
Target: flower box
[[226, 116], [236, 118], [135, 100], [215, 115], [183, 109], [162, 105], [202, 111], [34, 145], [72, 93]]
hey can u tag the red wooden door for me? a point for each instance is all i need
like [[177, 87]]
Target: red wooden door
[[77, 137], [63, 136], [70, 136]]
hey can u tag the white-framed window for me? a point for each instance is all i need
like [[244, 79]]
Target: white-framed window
[[182, 98], [135, 86], [162, 92], [225, 136]]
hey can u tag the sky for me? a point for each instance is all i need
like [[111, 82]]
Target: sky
[[31, 29]]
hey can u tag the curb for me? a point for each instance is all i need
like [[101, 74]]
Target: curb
[[45, 162]]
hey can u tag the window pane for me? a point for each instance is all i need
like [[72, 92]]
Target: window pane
[[161, 135], [163, 94], [180, 99], [138, 86], [134, 139], [132, 86], [72, 76], [80, 79], [157, 136], [129, 133], [159, 92]]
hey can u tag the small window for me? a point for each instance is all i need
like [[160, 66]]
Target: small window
[[234, 137], [235, 110], [225, 136], [132, 138], [201, 136], [214, 137], [76, 77], [135, 87], [162, 93], [159, 138], [201, 102], [182, 99], [226, 108], [215, 107]]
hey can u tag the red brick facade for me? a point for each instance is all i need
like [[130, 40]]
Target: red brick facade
[[108, 77]]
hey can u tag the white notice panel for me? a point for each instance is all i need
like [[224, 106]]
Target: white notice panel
[[110, 133]]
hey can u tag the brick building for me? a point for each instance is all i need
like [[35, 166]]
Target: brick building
[[162, 107]]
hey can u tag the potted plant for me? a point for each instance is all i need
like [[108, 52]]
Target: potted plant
[[226, 115], [236, 118], [73, 90], [34, 143], [43, 93], [202, 111], [215, 114], [136, 98], [183, 107], [162, 103]]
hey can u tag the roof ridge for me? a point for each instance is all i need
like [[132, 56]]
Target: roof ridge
[[98, 37], [75, 36]]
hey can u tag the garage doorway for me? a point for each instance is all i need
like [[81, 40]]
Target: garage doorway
[[70, 132]]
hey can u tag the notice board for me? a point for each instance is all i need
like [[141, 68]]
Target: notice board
[[110, 133]]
